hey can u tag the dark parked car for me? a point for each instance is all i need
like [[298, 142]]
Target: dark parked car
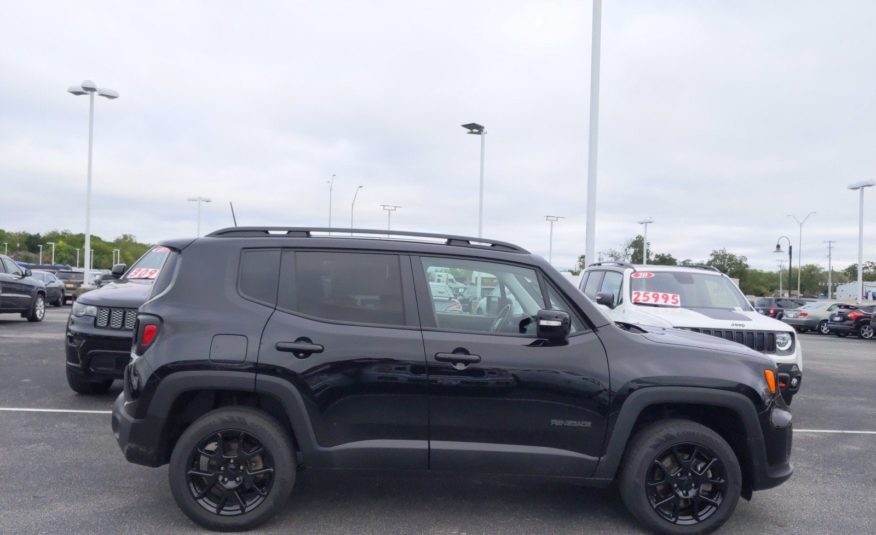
[[264, 351], [19, 292], [55, 294], [775, 307], [101, 323], [72, 282], [855, 321]]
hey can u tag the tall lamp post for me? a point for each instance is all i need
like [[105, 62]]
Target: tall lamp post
[[829, 268], [781, 269], [41, 253], [53, 250], [593, 138], [790, 257], [389, 208], [90, 88], [552, 219], [353, 207], [331, 184], [117, 256], [6, 248], [645, 222], [799, 249], [479, 130], [860, 187], [199, 200]]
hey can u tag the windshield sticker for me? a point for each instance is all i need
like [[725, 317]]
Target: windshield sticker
[[642, 275], [657, 298], [160, 249], [143, 273]]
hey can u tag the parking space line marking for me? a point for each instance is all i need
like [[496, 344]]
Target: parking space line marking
[[74, 411], [835, 431]]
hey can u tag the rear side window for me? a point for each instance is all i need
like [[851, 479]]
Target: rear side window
[[345, 287], [258, 275]]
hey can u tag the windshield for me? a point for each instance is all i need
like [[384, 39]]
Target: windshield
[[149, 265], [684, 289]]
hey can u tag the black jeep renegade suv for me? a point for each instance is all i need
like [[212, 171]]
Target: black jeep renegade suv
[[263, 351]]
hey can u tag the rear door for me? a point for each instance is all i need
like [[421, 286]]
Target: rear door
[[345, 334], [501, 400]]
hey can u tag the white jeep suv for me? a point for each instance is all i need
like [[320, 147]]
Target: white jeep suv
[[695, 298]]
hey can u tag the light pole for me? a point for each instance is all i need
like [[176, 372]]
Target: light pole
[[799, 249], [389, 208], [829, 267], [199, 200], [53, 250], [77, 257], [590, 242], [790, 257], [41, 253], [90, 88], [331, 184], [552, 219], [117, 256], [479, 130], [353, 207], [6, 248], [645, 222], [860, 187], [781, 269]]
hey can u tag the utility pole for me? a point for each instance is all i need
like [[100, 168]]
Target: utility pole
[[799, 251], [552, 219], [645, 222], [829, 267], [389, 208], [590, 239]]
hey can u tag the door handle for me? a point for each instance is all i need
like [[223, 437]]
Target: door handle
[[301, 348], [458, 358]]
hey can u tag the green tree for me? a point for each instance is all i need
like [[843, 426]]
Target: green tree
[[664, 259], [731, 265]]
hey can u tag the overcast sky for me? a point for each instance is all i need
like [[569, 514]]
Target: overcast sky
[[717, 119]]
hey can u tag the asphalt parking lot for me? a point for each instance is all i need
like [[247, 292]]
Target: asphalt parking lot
[[62, 472]]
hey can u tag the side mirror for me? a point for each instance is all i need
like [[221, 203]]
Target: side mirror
[[27, 273], [607, 299], [553, 326], [119, 270]]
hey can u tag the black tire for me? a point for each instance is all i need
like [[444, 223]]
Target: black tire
[[37, 309], [822, 327], [192, 455], [690, 445], [81, 385], [866, 332]]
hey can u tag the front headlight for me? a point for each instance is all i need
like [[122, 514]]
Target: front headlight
[[81, 309], [784, 341]]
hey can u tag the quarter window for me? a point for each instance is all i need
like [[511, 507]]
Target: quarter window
[[347, 287], [259, 271]]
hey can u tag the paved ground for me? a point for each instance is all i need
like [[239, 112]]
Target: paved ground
[[63, 473]]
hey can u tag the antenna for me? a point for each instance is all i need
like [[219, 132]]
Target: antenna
[[234, 217]]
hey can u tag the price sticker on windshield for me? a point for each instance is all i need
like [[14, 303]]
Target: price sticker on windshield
[[656, 298], [143, 273], [642, 275]]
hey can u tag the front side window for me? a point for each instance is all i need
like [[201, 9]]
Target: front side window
[[483, 297], [611, 284], [593, 283], [348, 287], [11, 267], [558, 303]]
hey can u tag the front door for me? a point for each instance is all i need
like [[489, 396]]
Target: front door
[[16, 293], [502, 400], [346, 335]]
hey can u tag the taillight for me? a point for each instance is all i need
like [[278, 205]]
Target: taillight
[[772, 312], [148, 328], [804, 314], [855, 315]]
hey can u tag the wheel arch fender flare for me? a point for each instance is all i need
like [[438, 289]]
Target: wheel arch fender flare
[[638, 401]]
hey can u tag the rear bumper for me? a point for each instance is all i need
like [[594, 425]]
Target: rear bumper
[[140, 440]]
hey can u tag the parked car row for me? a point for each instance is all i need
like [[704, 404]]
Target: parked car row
[[827, 317]]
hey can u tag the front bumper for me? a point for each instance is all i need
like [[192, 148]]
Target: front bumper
[[96, 353], [773, 466], [141, 441], [795, 378]]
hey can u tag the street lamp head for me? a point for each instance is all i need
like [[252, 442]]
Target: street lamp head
[[474, 128], [863, 184], [778, 248], [89, 86], [77, 90], [646, 221], [108, 93]]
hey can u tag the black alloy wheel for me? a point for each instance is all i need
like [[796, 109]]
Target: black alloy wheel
[[230, 473], [686, 484]]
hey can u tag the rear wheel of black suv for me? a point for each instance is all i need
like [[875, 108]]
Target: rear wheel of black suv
[[232, 469], [680, 477]]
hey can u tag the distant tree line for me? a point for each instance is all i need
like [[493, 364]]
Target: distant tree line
[[24, 247], [813, 278]]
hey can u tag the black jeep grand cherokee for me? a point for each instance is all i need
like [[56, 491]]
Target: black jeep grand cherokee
[[262, 351]]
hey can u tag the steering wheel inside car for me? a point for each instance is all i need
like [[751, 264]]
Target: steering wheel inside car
[[501, 319]]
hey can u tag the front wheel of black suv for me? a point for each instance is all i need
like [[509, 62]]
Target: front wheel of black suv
[[232, 469], [37, 309], [680, 477]]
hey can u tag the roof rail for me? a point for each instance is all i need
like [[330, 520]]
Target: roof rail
[[308, 232], [612, 263], [702, 266]]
